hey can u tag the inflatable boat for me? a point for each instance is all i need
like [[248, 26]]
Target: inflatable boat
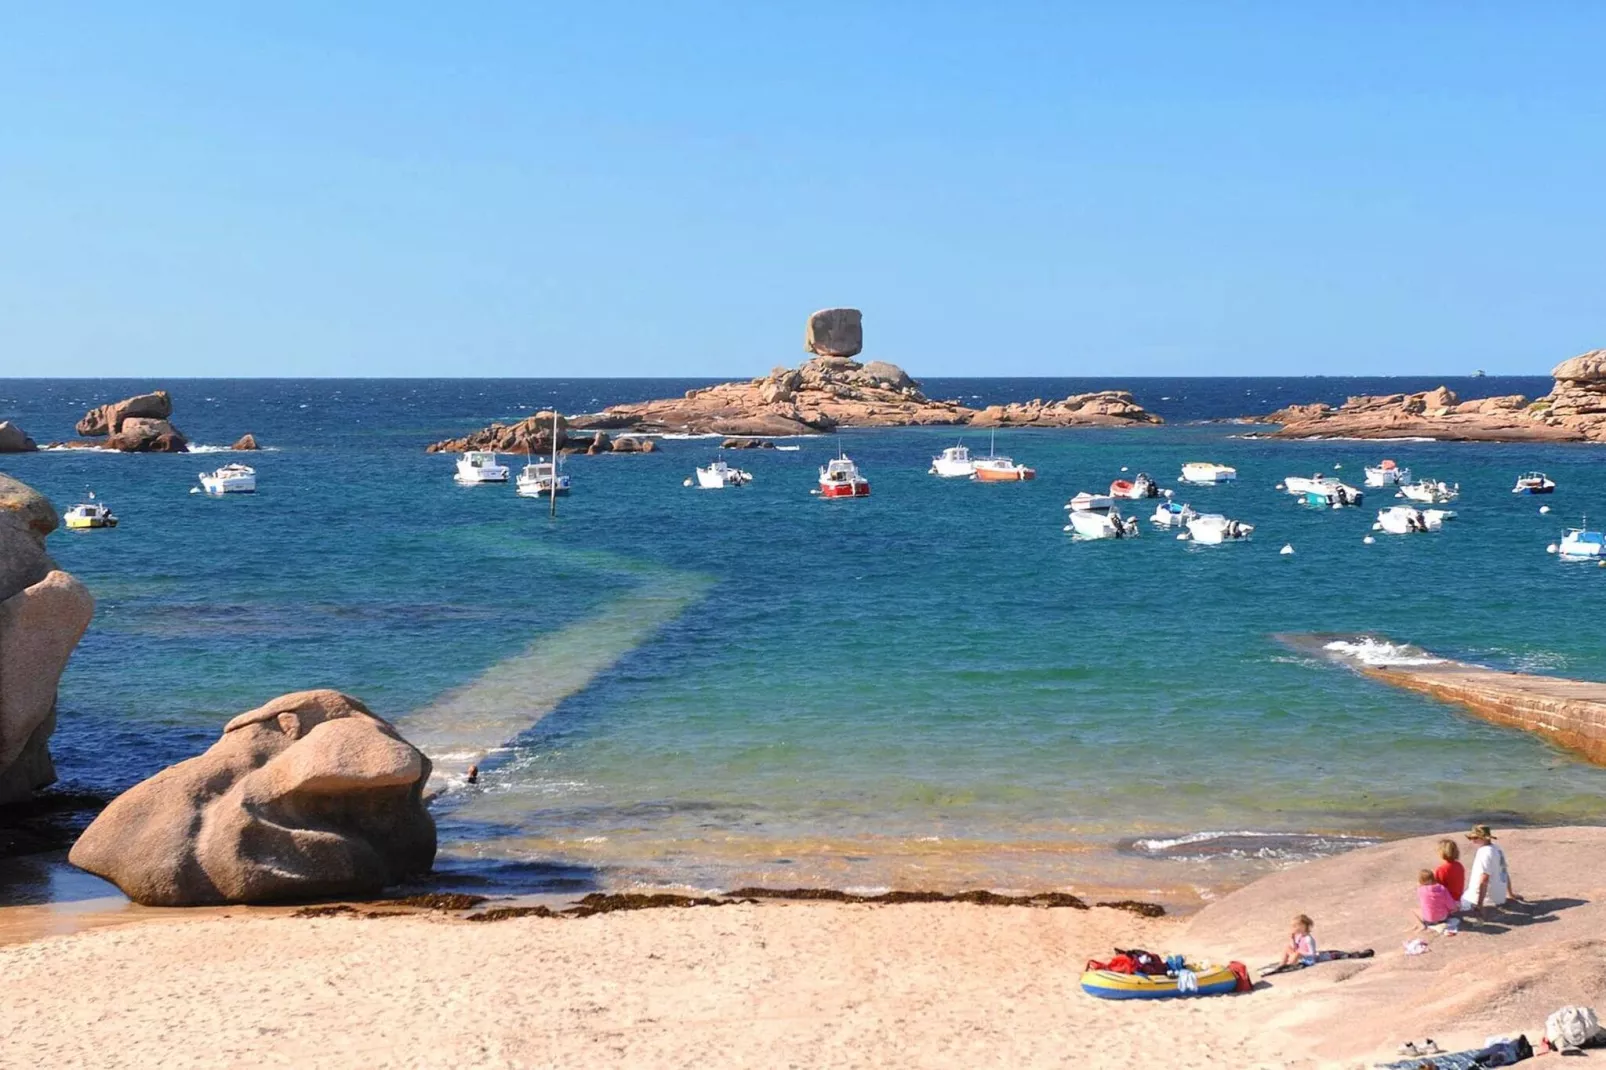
[[1107, 984]]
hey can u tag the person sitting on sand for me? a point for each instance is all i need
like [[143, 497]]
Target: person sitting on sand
[[1301, 944], [1489, 883], [1435, 905], [1450, 872]]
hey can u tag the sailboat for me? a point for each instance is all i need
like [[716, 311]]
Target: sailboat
[[996, 469]]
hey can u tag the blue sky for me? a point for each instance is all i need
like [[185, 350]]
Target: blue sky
[[669, 189]]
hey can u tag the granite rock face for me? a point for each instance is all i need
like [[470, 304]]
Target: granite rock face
[[246, 442], [14, 439], [309, 796], [1573, 411], [108, 419], [134, 425], [1106, 408], [835, 332], [43, 614]]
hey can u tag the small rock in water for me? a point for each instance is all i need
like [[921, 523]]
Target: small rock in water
[[1288, 548]]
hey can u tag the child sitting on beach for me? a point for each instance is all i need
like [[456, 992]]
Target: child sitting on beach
[[1301, 944], [1451, 873], [1435, 905]]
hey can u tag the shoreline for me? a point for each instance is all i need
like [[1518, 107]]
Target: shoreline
[[853, 985]]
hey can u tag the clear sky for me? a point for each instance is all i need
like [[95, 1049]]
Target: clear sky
[[601, 188]]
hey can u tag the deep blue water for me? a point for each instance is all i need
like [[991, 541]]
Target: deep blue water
[[930, 687]]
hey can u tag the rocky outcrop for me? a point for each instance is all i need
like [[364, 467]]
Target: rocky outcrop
[[1573, 411], [534, 435], [108, 419], [134, 425], [246, 441], [14, 439], [835, 332], [1106, 408], [747, 444], [43, 614], [309, 796]]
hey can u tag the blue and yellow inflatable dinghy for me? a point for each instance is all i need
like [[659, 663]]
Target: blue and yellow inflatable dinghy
[[1107, 984]]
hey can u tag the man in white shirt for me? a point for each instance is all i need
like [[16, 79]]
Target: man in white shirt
[[1488, 880]]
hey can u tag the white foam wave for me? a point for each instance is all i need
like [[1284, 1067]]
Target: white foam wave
[[1371, 651], [1197, 837], [201, 447]]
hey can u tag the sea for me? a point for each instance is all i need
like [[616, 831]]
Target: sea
[[934, 687]]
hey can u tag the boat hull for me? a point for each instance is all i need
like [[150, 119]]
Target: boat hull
[[1017, 474], [1107, 984], [952, 469], [856, 489]]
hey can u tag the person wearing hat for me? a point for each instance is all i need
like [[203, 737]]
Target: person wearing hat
[[1488, 881]]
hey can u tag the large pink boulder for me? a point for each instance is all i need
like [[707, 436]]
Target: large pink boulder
[[309, 796], [835, 332], [108, 419]]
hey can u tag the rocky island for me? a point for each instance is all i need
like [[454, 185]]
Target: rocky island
[[829, 390], [1573, 411]]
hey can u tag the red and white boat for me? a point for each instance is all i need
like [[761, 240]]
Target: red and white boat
[[840, 478], [1141, 487]]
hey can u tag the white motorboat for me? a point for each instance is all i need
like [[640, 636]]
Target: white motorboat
[[1090, 503], [1387, 474], [841, 478], [1172, 515], [719, 474], [954, 462], [1213, 528], [1409, 520], [1430, 491], [1207, 473], [87, 515], [540, 479], [230, 479], [1579, 545], [1323, 492], [1089, 524], [1316, 484], [1534, 483], [1137, 488], [480, 466]]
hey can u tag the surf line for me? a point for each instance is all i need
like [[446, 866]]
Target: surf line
[[462, 726]]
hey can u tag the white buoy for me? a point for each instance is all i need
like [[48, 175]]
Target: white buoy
[[1068, 527], [1281, 487], [1288, 548], [1368, 540], [1543, 509], [1378, 526], [1123, 468], [1182, 536], [1336, 467], [685, 482], [1550, 549], [195, 490], [1168, 493]]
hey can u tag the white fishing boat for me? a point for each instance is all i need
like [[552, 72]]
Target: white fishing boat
[[1579, 544], [1534, 483], [840, 478], [230, 479], [954, 462], [1430, 491], [1206, 472], [719, 475], [1213, 528], [87, 515], [1172, 515], [1387, 474], [995, 469], [1090, 503], [480, 466], [1409, 520], [1142, 486], [1101, 524], [541, 479]]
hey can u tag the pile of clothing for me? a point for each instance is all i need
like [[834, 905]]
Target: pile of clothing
[[1568, 1029]]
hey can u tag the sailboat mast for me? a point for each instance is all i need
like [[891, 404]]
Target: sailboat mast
[[552, 498]]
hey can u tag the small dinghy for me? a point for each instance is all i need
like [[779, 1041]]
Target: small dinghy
[[1090, 503], [1409, 520], [1213, 528], [1207, 473], [1534, 483], [1430, 491], [1138, 488], [1387, 474], [1581, 545], [1089, 524], [1205, 980], [1172, 515], [719, 475]]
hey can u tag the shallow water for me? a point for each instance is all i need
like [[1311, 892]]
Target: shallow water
[[932, 687]]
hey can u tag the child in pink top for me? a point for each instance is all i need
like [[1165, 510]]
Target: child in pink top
[[1433, 899]]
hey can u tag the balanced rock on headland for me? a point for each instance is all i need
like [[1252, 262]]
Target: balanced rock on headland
[[14, 439], [1573, 411], [835, 332], [306, 797], [43, 614]]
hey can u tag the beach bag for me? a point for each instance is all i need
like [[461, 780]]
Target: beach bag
[[1240, 971], [1571, 1028]]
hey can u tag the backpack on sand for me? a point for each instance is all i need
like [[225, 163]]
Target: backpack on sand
[[1572, 1028]]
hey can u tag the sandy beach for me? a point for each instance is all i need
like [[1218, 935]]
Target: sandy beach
[[812, 984]]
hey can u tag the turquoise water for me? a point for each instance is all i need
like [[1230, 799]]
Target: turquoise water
[[931, 687]]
